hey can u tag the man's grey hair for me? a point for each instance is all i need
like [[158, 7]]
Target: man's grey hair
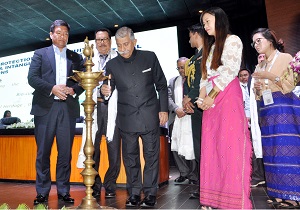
[[123, 32], [182, 59]]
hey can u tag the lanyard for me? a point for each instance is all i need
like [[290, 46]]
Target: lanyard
[[273, 60]]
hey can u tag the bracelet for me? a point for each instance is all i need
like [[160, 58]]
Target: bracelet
[[199, 100], [213, 93]]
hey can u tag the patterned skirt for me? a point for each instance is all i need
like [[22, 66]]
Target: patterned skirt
[[226, 151], [280, 129]]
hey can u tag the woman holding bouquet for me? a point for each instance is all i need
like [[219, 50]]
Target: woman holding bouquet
[[280, 119]]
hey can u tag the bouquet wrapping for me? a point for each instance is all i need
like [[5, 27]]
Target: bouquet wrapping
[[294, 68]]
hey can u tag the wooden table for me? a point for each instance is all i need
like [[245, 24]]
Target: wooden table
[[18, 154]]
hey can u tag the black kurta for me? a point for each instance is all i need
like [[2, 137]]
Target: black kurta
[[136, 80]]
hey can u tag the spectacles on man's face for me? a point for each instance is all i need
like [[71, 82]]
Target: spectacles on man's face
[[180, 67], [257, 41], [102, 40]]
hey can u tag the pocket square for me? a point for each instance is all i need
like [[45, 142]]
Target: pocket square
[[146, 70]]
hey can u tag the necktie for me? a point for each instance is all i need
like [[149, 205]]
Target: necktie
[[102, 62], [246, 88]]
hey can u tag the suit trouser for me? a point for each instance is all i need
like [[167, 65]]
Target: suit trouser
[[56, 122], [258, 171], [186, 168], [113, 150], [196, 130], [131, 157], [114, 159]]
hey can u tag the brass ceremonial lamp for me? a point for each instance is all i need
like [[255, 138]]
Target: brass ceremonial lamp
[[88, 80]]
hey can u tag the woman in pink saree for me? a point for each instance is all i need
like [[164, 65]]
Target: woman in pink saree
[[226, 149]]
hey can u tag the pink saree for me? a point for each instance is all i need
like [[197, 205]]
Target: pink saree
[[226, 151]]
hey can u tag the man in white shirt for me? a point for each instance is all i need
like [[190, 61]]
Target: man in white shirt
[[258, 177], [55, 108], [244, 77], [103, 54], [180, 129]]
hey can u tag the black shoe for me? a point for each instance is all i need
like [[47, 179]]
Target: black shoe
[[40, 199], [194, 195], [110, 194], [180, 179], [96, 193], [149, 201], [133, 200], [66, 198], [193, 182]]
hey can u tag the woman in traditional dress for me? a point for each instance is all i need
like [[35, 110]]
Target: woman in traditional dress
[[280, 119], [226, 150]]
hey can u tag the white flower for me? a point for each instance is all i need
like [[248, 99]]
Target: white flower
[[21, 125]]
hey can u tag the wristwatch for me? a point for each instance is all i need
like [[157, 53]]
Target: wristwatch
[[277, 79]]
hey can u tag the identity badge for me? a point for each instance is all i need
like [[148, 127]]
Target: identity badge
[[267, 97]]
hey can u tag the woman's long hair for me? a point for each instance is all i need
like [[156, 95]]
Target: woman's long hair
[[222, 30]]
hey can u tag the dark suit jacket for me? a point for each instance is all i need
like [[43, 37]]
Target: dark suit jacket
[[137, 79], [193, 91], [171, 100], [42, 77]]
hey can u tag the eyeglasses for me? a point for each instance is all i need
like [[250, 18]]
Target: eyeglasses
[[180, 67], [102, 40], [257, 41]]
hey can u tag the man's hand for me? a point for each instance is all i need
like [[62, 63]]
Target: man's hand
[[189, 108], [180, 112], [185, 100], [70, 91], [61, 91], [105, 90], [163, 118]]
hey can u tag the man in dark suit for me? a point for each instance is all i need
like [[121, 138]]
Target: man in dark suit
[[187, 168], [191, 91], [55, 108], [137, 75]]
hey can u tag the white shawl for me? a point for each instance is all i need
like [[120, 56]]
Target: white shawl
[[182, 138], [255, 129], [112, 114]]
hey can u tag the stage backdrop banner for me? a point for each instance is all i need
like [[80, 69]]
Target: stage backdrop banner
[[16, 94]]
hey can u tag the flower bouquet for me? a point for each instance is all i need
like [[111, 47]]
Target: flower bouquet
[[21, 125], [294, 68]]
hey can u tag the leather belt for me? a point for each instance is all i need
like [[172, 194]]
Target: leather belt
[[100, 100], [59, 100]]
